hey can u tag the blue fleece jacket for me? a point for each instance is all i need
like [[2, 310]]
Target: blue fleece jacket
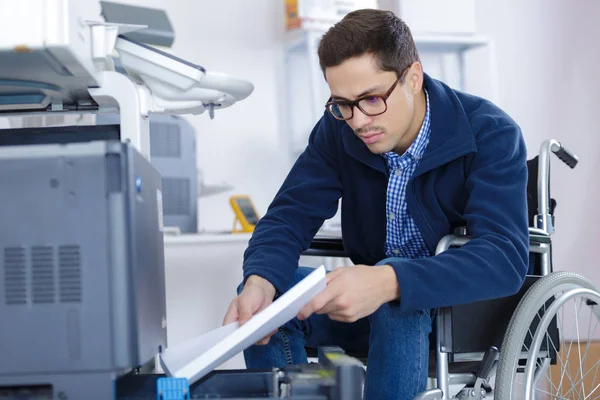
[[473, 174]]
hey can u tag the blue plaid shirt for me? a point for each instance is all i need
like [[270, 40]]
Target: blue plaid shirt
[[403, 237]]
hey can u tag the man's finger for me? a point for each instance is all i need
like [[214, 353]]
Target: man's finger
[[334, 274], [340, 317], [333, 304], [232, 314], [318, 302], [306, 312], [245, 312], [331, 307], [334, 289]]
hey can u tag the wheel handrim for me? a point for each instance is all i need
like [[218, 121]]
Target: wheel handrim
[[577, 382]]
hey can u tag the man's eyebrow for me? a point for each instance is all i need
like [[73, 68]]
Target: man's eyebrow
[[371, 90]]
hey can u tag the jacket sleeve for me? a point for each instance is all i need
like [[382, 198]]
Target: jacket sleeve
[[494, 262], [309, 195]]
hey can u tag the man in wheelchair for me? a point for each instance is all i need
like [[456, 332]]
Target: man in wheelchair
[[412, 160]]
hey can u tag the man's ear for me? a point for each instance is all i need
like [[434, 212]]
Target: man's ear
[[414, 77]]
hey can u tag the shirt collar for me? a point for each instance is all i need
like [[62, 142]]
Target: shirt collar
[[417, 148]]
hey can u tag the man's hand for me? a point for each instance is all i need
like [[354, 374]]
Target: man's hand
[[354, 292], [257, 294]]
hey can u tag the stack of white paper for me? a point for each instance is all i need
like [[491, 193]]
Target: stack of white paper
[[196, 358]]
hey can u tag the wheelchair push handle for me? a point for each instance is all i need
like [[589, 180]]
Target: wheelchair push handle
[[565, 155], [543, 219]]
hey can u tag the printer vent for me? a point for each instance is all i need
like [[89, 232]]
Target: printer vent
[[69, 260], [15, 276], [42, 274], [165, 140], [176, 196]]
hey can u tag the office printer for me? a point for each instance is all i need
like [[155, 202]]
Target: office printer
[[82, 280]]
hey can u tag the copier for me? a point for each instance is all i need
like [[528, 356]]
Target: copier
[[82, 279]]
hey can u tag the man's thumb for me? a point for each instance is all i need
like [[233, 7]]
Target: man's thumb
[[232, 313], [245, 310]]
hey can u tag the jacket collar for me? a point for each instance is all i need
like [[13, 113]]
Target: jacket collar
[[451, 134]]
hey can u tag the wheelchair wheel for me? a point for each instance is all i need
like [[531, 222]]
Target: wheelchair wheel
[[545, 353]]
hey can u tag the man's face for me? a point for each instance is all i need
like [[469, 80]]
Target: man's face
[[359, 76]]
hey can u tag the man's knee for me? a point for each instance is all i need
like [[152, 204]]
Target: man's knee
[[389, 318]]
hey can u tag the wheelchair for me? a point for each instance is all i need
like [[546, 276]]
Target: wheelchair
[[515, 347]]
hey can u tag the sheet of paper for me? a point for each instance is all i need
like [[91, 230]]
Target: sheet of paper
[[196, 358], [175, 358]]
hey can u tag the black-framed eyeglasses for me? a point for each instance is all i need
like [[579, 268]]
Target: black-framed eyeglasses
[[370, 104]]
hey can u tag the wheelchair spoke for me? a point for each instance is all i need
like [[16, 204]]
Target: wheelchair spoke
[[582, 379], [548, 339], [579, 346], [564, 369], [592, 392], [578, 382], [565, 365], [597, 369], [538, 363], [553, 396], [587, 350], [556, 390], [549, 381], [583, 362], [546, 322], [567, 370], [575, 386]]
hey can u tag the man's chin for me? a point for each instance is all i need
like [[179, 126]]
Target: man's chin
[[378, 148]]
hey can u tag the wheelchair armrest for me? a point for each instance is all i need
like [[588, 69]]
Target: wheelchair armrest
[[331, 246], [326, 246]]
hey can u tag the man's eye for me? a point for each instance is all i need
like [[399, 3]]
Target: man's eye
[[372, 99]]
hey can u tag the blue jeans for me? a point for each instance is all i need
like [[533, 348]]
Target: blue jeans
[[397, 344]]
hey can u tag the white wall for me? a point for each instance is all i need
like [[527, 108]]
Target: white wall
[[547, 64], [242, 145], [548, 70]]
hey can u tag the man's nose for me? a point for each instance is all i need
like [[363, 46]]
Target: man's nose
[[360, 120]]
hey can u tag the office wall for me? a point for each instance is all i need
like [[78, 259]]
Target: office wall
[[547, 64], [242, 145]]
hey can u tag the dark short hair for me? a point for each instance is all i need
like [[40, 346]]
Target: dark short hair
[[369, 31]]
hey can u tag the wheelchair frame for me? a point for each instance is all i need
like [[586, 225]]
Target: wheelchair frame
[[540, 243], [476, 384]]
